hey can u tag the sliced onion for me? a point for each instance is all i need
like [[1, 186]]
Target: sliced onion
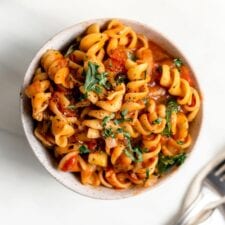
[[110, 142]]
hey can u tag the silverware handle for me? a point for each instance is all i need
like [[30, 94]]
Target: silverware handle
[[194, 215], [189, 213], [206, 212]]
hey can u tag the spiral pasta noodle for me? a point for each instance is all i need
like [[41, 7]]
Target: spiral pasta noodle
[[114, 107]]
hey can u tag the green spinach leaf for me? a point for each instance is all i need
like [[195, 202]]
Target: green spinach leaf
[[165, 163]]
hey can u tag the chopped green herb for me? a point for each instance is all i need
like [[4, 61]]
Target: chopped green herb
[[144, 150], [106, 119], [131, 56], [180, 142], [73, 107], [126, 135], [97, 89], [180, 159], [166, 131], [171, 106], [119, 130], [117, 121], [138, 152], [157, 121], [124, 113], [145, 100], [82, 96], [94, 81], [83, 149], [108, 85], [167, 162], [178, 63], [129, 154], [108, 132], [147, 171], [102, 78], [134, 153], [122, 119], [121, 78], [90, 80]]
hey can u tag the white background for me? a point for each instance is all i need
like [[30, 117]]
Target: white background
[[28, 194]]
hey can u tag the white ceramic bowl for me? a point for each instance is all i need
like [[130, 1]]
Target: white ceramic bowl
[[59, 41]]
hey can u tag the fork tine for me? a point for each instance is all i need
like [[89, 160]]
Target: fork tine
[[216, 178], [222, 178], [220, 169]]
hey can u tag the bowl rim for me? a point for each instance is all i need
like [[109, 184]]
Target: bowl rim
[[120, 195]]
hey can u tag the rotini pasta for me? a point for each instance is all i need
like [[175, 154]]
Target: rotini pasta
[[114, 107]]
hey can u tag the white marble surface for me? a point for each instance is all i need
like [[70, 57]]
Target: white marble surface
[[28, 194]]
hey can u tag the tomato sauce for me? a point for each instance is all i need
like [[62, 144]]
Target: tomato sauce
[[186, 74], [116, 61]]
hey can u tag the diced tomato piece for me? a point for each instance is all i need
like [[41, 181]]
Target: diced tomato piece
[[186, 74], [114, 66], [92, 145], [68, 112], [116, 62], [70, 164], [119, 55]]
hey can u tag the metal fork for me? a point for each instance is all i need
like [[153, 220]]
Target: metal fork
[[215, 179]]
